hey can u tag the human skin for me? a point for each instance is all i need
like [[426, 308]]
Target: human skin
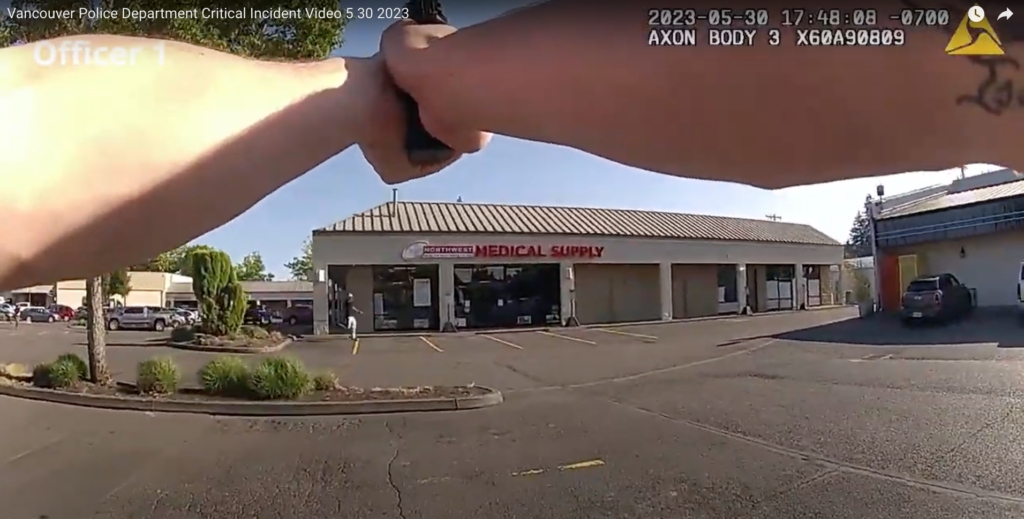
[[568, 73], [103, 167], [126, 148]]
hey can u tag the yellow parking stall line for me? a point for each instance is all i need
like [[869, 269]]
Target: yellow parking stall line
[[502, 341], [566, 337], [431, 344], [582, 465], [627, 334], [561, 468], [531, 472], [355, 347]]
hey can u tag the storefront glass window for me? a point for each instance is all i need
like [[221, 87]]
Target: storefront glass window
[[489, 296], [780, 272], [727, 283], [405, 297]]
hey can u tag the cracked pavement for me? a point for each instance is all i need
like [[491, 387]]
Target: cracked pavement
[[762, 417]]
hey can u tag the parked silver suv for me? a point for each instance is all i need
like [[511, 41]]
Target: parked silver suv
[[142, 318]]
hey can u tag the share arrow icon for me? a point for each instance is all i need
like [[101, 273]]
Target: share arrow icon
[[1005, 14]]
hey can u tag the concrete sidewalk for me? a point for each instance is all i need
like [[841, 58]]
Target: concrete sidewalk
[[528, 329]]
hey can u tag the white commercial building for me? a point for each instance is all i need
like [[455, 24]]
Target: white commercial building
[[422, 266]]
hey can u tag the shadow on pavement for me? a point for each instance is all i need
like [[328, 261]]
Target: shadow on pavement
[[983, 326], [140, 342]]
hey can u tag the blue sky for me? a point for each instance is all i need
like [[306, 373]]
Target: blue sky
[[515, 171]]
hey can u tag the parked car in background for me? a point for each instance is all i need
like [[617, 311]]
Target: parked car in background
[[189, 317], [37, 314], [65, 312], [175, 318], [940, 297], [6, 312], [141, 318], [258, 314], [298, 315]]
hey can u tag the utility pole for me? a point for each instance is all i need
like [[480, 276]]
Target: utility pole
[[773, 217]]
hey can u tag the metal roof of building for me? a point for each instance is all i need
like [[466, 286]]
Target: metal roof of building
[[430, 217], [950, 200]]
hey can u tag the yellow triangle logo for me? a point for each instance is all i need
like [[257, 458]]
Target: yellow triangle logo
[[983, 41]]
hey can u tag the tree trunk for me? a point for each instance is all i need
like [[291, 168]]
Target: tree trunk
[[97, 332]]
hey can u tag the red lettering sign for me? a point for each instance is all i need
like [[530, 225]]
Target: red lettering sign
[[537, 251], [425, 251]]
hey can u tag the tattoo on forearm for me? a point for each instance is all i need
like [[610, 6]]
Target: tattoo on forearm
[[1000, 89], [998, 92]]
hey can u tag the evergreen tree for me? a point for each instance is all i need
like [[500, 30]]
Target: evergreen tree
[[858, 245]]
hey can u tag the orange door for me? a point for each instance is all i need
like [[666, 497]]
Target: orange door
[[891, 291]]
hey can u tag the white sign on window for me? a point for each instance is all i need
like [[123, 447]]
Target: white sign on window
[[421, 292]]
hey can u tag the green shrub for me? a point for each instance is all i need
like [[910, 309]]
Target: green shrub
[[279, 378], [221, 298], [80, 364], [183, 334], [325, 381], [41, 375], [158, 376], [226, 375], [253, 332], [59, 374]]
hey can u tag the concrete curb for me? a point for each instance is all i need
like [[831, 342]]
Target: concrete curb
[[255, 409], [228, 349]]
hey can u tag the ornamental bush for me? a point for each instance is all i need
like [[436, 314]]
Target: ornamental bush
[[158, 376], [280, 378], [227, 375]]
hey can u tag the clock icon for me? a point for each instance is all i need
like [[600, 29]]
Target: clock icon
[[976, 14]]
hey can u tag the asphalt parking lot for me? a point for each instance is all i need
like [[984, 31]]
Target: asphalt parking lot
[[798, 415]]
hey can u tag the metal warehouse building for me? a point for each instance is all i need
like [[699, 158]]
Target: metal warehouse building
[[424, 266], [972, 228]]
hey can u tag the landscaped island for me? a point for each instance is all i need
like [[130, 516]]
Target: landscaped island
[[226, 377]]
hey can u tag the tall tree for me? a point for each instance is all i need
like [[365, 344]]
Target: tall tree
[[96, 331], [299, 38], [117, 283], [184, 258], [174, 261], [165, 262], [251, 268], [858, 245], [301, 266]]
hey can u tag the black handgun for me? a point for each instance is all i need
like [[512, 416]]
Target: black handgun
[[423, 148]]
